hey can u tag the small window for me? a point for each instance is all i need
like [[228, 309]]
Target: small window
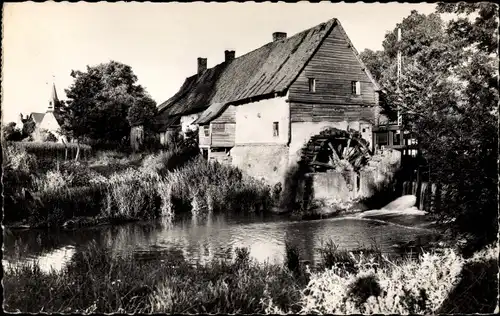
[[276, 131], [382, 139], [312, 85], [206, 130], [356, 87], [219, 127]]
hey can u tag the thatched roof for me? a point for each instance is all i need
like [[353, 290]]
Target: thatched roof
[[262, 73], [211, 113]]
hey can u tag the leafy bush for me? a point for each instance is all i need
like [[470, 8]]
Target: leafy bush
[[333, 257], [11, 133], [19, 159], [53, 180], [17, 181], [166, 161], [477, 290], [408, 288]]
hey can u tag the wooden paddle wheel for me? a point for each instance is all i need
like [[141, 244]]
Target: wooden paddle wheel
[[335, 149]]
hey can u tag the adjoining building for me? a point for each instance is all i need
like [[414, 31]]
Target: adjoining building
[[49, 121], [257, 111]]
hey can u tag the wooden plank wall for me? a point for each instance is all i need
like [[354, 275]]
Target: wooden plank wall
[[334, 67], [203, 140], [223, 137], [305, 112]]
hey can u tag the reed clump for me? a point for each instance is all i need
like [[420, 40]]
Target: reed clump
[[98, 280]]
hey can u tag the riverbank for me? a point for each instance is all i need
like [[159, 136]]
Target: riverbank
[[111, 189], [98, 281]]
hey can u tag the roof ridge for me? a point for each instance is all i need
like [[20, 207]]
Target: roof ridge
[[267, 70], [272, 42]]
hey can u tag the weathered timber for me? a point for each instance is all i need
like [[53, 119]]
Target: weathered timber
[[334, 66]]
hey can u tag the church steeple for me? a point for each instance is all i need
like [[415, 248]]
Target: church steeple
[[53, 101]]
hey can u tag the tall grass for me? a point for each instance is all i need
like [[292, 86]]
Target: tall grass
[[96, 280], [203, 186], [132, 195], [54, 151], [159, 188]]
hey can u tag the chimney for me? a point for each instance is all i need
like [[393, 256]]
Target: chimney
[[229, 55], [279, 36], [202, 65]]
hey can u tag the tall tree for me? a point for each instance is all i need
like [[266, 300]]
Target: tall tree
[[419, 32], [449, 95], [99, 103], [480, 32]]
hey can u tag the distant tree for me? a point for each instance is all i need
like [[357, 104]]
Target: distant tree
[[142, 112], [11, 132], [99, 101], [28, 126], [481, 33], [47, 136], [419, 32]]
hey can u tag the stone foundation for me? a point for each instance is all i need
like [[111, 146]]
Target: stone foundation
[[336, 186], [347, 186], [268, 162], [220, 156]]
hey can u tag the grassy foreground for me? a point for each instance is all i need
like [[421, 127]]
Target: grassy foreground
[[346, 283]]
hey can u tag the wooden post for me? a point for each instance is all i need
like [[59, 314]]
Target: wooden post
[[77, 150]]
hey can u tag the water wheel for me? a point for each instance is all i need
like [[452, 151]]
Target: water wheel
[[336, 149]]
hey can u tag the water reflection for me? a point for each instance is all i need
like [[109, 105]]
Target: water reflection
[[203, 239]]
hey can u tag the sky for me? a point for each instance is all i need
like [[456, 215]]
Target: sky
[[43, 42]]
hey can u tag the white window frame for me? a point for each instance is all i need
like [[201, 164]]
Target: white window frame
[[312, 84], [356, 87]]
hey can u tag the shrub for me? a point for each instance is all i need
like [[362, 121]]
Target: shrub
[[292, 258], [332, 257], [411, 287], [53, 180], [11, 133], [477, 290], [17, 158], [17, 181]]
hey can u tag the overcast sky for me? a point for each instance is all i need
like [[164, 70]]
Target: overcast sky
[[159, 41]]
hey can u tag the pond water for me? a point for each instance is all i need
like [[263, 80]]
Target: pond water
[[216, 237]]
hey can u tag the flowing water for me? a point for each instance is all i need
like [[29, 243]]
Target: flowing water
[[217, 236]]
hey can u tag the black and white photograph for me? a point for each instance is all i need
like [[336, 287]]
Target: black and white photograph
[[250, 158]]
